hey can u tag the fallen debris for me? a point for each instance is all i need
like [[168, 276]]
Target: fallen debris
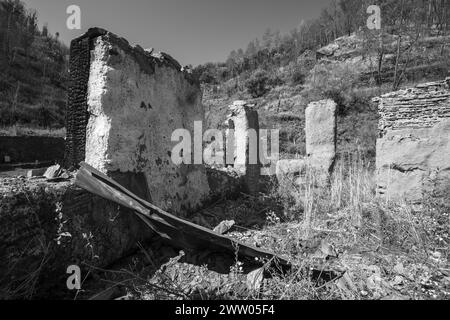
[[36, 172], [53, 172], [224, 226], [255, 279], [177, 231]]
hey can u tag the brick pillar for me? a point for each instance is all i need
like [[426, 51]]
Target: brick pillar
[[77, 115]]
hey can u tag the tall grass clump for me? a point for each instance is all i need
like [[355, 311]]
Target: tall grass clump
[[312, 196]]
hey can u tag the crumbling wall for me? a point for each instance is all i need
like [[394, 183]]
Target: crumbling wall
[[242, 145], [46, 227], [135, 100], [413, 147]]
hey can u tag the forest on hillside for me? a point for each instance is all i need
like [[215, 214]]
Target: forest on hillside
[[34, 76], [334, 56], [34, 62], [408, 19]]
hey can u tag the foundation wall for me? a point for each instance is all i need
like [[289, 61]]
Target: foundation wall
[[29, 149], [413, 147]]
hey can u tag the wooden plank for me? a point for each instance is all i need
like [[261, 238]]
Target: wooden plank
[[181, 232]]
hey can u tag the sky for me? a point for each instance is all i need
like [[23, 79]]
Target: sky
[[192, 31]]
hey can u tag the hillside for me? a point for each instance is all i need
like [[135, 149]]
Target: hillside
[[349, 64], [338, 72], [34, 79]]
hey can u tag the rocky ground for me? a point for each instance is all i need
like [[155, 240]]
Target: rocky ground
[[337, 260], [368, 250]]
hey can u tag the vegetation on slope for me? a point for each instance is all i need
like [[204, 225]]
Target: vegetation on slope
[[34, 78], [404, 18], [334, 56]]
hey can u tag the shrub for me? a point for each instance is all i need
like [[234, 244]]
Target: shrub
[[334, 77], [298, 78], [257, 84], [275, 81]]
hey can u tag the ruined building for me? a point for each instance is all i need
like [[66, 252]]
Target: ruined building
[[413, 148], [124, 105]]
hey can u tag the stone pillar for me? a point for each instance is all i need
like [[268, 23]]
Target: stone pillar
[[413, 147], [320, 131], [320, 127], [242, 147]]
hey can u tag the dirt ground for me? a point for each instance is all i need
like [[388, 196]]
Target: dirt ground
[[393, 251], [335, 262]]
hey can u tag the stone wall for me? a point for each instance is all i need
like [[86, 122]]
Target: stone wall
[[27, 149], [46, 227], [135, 99], [414, 141]]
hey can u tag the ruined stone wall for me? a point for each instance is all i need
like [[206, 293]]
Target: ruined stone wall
[[414, 141], [47, 227], [135, 100]]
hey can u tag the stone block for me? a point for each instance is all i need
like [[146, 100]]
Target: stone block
[[36, 172], [320, 130]]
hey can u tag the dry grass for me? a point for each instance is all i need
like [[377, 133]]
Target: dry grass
[[345, 213], [312, 196], [342, 240]]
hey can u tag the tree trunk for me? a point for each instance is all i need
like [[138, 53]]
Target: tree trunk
[[14, 105], [397, 62], [380, 60]]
